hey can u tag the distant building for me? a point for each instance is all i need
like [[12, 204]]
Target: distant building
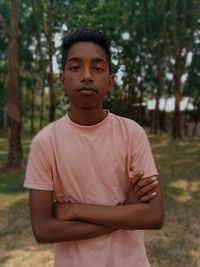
[[168, 104], [190, 124]]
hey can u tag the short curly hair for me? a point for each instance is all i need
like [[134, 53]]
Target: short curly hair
[[86, 35]]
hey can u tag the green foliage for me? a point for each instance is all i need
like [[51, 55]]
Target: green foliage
[[139, 47], [112, 100]]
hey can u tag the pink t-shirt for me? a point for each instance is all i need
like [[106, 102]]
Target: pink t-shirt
[[92, 164]]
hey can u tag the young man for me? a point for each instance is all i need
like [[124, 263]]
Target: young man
[[94, 185]]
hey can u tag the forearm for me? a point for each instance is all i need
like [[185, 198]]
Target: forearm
[[54, 230], [148, 215], [133, 216], [48, 228]]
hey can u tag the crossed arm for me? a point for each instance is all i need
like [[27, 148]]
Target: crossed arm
[[66, 222]]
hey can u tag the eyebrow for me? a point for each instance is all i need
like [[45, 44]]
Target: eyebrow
[[78, 59]]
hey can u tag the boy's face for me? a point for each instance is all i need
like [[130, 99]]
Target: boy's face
[[86, 78]]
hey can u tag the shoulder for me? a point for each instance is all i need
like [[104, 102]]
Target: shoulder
[[131, 126], [48, 133]]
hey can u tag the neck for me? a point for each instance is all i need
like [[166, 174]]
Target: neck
[[87, 117]]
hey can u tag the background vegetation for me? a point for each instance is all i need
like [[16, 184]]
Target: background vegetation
[[156, 53]]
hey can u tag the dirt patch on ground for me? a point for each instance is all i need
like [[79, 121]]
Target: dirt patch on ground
[[18, 247]]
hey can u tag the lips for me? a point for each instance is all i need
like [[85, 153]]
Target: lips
[[87, 90]]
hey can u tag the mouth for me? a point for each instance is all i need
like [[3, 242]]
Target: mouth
[[87, 90]]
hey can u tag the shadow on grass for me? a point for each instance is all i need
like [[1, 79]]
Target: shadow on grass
[[11, 182], [175, 253]]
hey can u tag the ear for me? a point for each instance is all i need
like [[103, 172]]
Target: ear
[[62, 80], [111, 82]]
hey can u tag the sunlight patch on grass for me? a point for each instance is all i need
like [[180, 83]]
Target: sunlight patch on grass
[[193, 150], [195, 254], [183, 161], [159, 142], [187, 188], [21, 257], [3, 152], [157, 156], [8, 200]]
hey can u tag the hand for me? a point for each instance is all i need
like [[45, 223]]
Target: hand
[[141, 189], [64, 211]]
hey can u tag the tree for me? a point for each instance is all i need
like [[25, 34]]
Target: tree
[[3, 68], [47, 22], [15, 155], [192, 85], [179, 27]]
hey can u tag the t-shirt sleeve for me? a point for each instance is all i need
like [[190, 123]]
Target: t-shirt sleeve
[[38, 172], [141, 155]]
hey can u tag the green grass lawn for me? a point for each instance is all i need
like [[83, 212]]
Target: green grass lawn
[[177, 244]]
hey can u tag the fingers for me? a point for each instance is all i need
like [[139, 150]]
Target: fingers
[[145, 185], [144, 189], [148, 197], [137, 177]]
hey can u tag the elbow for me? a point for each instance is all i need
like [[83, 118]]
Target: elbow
[[157, 221], [157, 224], [40, 234], [39, 237]]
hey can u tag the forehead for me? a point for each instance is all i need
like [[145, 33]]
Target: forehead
[[86, 50]]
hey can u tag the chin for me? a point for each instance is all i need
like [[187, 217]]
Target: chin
[[87, 106]]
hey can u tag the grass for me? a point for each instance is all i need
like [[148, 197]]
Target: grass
[[17, 246], [177, 244]]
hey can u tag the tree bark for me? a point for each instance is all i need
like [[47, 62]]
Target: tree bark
[[52, 110], [1, 107], [48, 35], [176, 130], [42, 62], [32, 110], [156, 113], [42, 108], [15, 155], [178, 68], [141, 119]]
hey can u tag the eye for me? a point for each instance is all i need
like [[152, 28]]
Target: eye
[[74, 68], [99, 69]]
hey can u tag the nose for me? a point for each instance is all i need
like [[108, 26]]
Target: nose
[[87, 76]]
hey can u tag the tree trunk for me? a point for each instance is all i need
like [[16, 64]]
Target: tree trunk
[[156, 113], [47, 26], [141, 118], [176, 131], [15, 155], [42, 62], [131, 101], [1, 107], [159, 84], [196, 121], [42, 108], [52, 110], [32, 110]]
